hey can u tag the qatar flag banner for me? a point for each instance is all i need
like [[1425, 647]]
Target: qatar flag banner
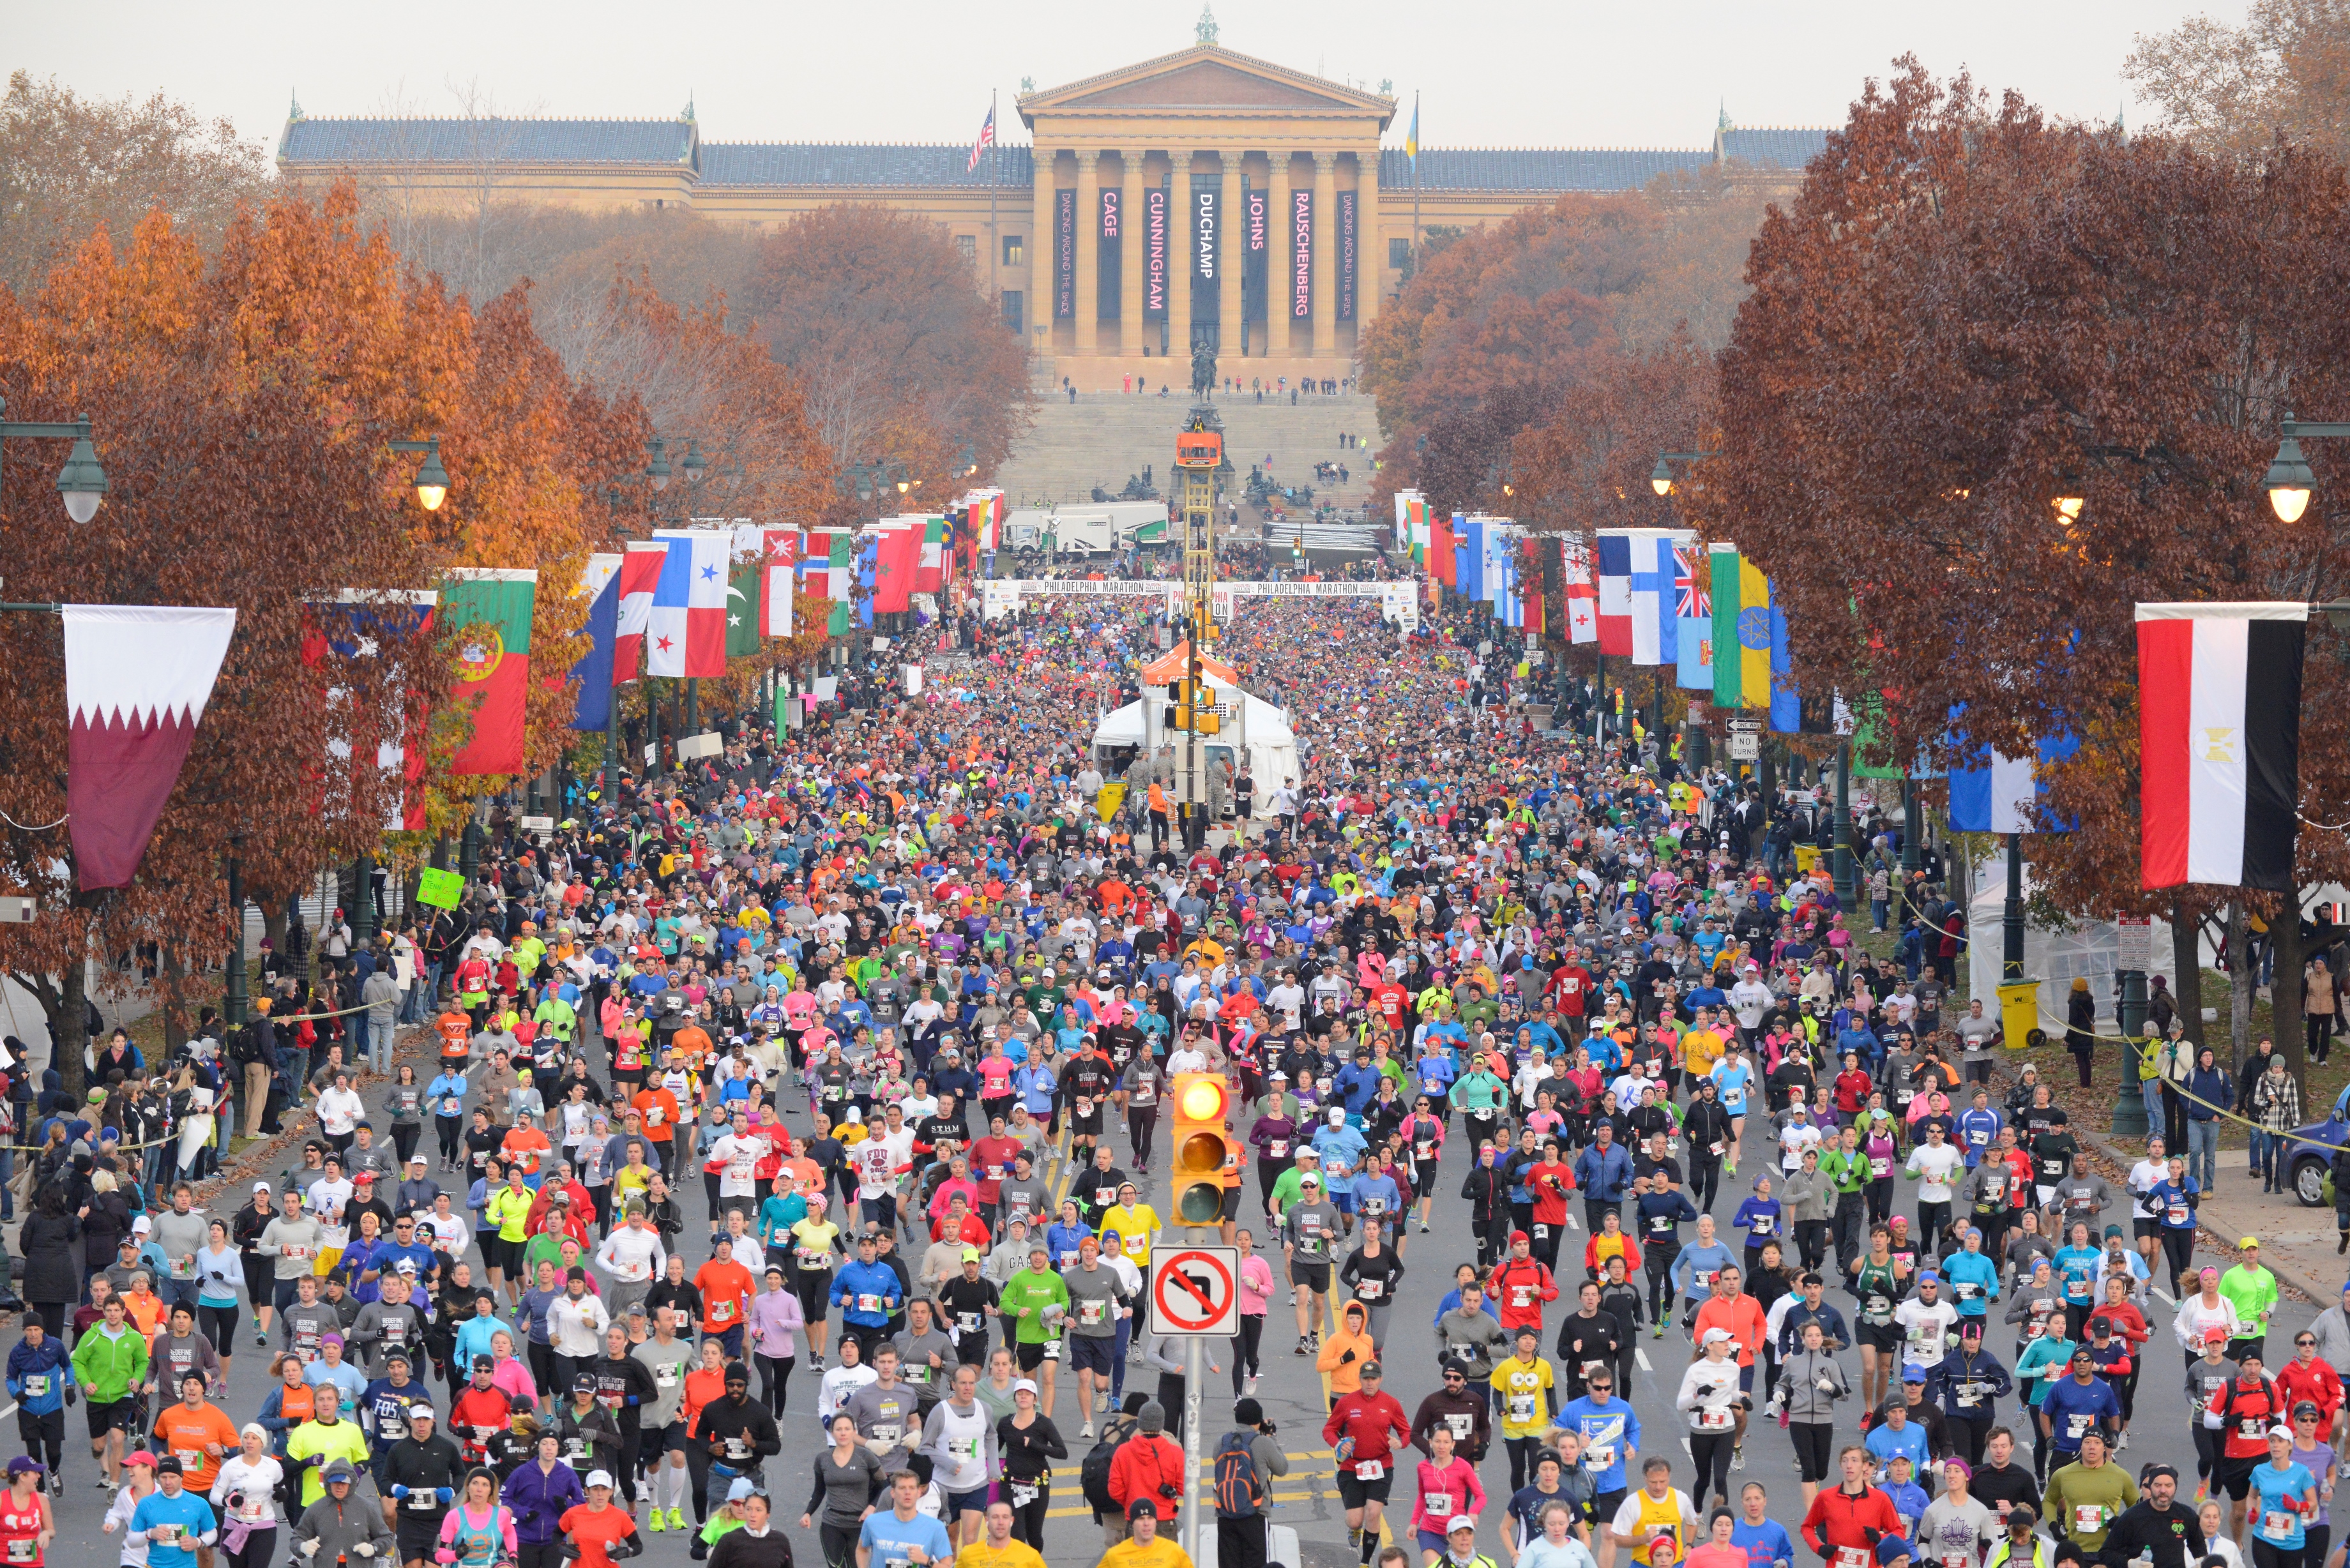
[[137, 680]]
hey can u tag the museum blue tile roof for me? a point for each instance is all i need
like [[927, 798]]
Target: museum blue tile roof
[[816, 163], [1589, 169], [492, 139]]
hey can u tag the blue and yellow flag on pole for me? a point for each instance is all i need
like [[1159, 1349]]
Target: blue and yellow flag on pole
[[1412, 136]]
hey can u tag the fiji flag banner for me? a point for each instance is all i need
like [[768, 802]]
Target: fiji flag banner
[[1693, 614], [1616, 592], [2219, 742]]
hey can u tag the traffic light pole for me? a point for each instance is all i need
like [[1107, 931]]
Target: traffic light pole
[[1194, 1374]]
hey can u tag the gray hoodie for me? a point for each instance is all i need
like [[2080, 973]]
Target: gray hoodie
[[1473, 1337], [1800, 1392]]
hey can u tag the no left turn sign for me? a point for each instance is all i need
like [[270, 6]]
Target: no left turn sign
[[1195, 1291]]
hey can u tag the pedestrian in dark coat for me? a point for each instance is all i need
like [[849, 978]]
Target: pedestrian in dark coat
[[2081, 1027], [51, 1244]]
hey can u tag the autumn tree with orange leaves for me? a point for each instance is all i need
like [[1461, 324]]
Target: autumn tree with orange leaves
[[1971, 312]]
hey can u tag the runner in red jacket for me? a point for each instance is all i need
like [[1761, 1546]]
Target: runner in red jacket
[[1520, 1285], [1363, 1431], [1845, 1522]]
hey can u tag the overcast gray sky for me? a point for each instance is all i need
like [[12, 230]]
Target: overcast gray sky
[[1491, 73]]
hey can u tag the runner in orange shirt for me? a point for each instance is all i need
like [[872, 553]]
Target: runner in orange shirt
[[726, 1288], [658, 1107], [195, 1433], [456, 1030], [527, 1145]]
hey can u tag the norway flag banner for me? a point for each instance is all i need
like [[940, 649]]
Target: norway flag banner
[[137, 680]]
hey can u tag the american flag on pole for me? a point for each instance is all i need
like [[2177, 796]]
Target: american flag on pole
[[986, 139]]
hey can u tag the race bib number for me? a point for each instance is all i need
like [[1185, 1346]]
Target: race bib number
[[295, 1252], [1370, 1290], [452, 1108], [1711, 1420], [1599, 1456], [2088, 1517], [1437, 1504], [1021, 1496], [1461, 1426], [2076, 1425], [2178, 1213], [1091, 1313], [1521, 1408], [423, 1502], [665, 1376], [1371, 1470], [867, 1302], [36, 1386], [2278, 1523], [2251, 1426], [1852, 1557], [887, 1431], [967, 1322], [1276, 1148], [1879, 1166], [1542, 1233], [919, 1373], [389, 1430], [24, 1550]]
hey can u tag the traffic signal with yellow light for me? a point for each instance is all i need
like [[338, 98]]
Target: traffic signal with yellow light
[[1203, 1143], [1191, 705]]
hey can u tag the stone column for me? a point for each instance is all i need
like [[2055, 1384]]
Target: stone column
[[1039, 311], [1130, 254], [1276, 264], [1371, 279], [1088, 249], [1179, 274], [1326, 265], [1232, 258]]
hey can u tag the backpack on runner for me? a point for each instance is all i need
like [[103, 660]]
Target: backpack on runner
[[1238, 1494], [1093, 1476]]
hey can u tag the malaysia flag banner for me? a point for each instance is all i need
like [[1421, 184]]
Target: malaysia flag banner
[[687, 633], [2219, 742], [640, 571], [137, 680]]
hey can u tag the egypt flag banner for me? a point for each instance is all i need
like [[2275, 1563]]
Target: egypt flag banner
[[686, 636], [1582, 597], [487, 609], [641, 570], [2219, 742], [137, 680]]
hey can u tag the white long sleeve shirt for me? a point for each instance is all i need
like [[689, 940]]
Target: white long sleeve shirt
[[576, 1327], [631, 1255]]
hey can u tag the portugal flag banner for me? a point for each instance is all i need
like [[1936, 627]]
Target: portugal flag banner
[[487, 609], [137, 680], [2219, 742]]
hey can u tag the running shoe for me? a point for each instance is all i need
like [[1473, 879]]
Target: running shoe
[[1086, 1430], [1737, 1459], [676, 1518], [658, 1521]]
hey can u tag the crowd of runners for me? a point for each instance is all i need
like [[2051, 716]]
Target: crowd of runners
[[900, 993]]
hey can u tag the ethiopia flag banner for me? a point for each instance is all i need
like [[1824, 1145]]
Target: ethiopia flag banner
[[487, 610], [1741, 630], [2219, 742]]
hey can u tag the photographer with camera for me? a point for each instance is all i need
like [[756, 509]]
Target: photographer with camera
[[1246, 1460], [1150, 1465]]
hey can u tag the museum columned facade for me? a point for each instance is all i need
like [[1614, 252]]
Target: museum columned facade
[[1204, 196]]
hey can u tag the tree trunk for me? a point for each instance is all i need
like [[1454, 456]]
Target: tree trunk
[[2241, 974], [273, 919], [2284, 991], [69, 1028], [172, 993], [2187, 965]]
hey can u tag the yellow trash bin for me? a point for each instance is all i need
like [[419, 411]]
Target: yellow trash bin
[[2019, 1013], [1807, 859]]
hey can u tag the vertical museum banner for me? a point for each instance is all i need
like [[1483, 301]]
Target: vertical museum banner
[[1301, 256], [1108, 254], [1154, 254], [1345, 269], [1256, 245], [1065, 255], [1207, 248]]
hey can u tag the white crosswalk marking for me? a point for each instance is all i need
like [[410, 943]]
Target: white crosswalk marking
[[1642, 1358]]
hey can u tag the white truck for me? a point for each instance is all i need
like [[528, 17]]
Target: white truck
[[1096, 528]]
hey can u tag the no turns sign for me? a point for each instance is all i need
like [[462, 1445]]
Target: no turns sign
[[1196, 1291]]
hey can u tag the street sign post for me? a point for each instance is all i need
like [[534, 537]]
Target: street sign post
[[1745, 740], [1195, 1292]]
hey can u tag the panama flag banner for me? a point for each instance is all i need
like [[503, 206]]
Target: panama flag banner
[[687, 634], [137, 680], [1616, 592], [1693, 615], [488, 610], [641, 570], [599, 585], [2219, 742]]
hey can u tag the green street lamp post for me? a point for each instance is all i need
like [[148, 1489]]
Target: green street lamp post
[[81, 482]]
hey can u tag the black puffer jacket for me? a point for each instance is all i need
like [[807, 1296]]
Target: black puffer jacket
[[51, 1247]]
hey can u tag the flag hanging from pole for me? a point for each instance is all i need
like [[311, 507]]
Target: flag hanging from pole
[[356, 625], [780, 580], [1615, 600], [987, 140], [489, 610], [1582, 598], [687, 634], [1693, 615], [137, 680], [1412, 136], [599, 585], [2219, 742], [641, 570]]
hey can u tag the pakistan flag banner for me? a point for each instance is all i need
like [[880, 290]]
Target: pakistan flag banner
[[487, 610]]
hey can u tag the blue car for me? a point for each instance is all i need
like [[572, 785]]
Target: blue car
[[2308, 1161]]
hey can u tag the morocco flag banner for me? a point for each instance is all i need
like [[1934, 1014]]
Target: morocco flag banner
[[2219, 742], [487, 609], [137, 680]]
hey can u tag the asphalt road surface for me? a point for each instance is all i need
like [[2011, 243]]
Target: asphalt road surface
[[1291, 1393]]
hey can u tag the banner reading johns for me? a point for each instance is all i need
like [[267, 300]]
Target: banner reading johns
[[1154, 254], [1257, 235], [1065, 255], [1108, 252], [1301, 256], [1345, 311]]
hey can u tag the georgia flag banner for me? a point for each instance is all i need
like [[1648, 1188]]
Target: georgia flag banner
[[137, 680], [1582, 597], [2219, 742], [687, 634]]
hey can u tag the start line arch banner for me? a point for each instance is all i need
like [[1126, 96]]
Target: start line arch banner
[[1398, 600]]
